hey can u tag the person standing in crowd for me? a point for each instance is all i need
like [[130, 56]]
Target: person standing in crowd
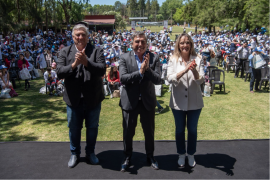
[[186, 100], [139, 71], [41, 60], [253, 42], [49, 58], [82, 66], [233, 46], [170, 30], [255, 73], [23, 63], [243, 54]]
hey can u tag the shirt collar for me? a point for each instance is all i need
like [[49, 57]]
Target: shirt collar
[[138, 56]]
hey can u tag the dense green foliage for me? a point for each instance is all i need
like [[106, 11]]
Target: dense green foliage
[[16, 15], [242, 14]]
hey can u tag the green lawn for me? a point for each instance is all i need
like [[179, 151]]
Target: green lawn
[[237, 114], [176, 29]]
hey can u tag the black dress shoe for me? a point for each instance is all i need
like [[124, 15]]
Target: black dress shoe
[[153, 162], [125, 165], [73, 161]]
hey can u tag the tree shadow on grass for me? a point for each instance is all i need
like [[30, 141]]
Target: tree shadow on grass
[[29, 106]]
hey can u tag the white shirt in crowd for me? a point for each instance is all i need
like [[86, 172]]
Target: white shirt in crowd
[[243, 53], [253, 44]]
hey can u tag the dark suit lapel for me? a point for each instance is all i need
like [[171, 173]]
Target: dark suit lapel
[[72, 52], [133, 61], [88, 50], [151, 58]]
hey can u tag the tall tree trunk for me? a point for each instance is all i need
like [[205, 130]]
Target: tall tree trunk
[[46, 17], [18, 11]]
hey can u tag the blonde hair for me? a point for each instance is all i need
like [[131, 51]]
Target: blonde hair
[[177, 51]]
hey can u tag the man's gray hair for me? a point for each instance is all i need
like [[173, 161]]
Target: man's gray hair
[[138, 33], [80, 26]]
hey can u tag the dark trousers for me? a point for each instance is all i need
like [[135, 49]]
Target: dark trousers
[[240, 65], [183, 118], [26, 82], [113, 87], [147, 119], [255, 74]]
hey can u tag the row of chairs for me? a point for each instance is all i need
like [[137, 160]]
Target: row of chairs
[[215, 74]]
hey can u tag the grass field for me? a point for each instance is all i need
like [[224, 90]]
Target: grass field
[[176, 29], [236, 114]]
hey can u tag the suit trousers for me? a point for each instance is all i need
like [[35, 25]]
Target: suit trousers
[[255, 77], [240, 65], [147, 119]]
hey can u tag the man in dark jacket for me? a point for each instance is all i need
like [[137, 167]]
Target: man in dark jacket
[[82, 66], [139, 71]]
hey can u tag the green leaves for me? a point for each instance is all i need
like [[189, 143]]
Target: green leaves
[[235, 13]]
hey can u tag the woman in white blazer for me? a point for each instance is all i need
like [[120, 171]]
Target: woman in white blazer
[[186, 99]]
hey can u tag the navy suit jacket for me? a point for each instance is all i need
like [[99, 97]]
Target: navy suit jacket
[[134, 85]]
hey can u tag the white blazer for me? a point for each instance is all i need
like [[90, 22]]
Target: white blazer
[[186, 92]]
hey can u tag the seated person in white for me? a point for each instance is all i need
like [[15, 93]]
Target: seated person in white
[[50, 79]]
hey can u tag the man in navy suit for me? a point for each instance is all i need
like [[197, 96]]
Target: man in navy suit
[[139, 71]]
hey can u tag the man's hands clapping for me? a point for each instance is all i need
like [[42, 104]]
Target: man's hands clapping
[[80, 58], [145, 64]]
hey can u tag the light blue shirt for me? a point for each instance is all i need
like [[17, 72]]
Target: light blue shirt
[[251, 57], [139, 63]]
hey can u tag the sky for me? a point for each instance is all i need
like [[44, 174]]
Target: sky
[[111, 2]]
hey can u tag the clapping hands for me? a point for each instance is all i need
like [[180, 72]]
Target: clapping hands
[[145, 64], [191, 66], [80, 58]]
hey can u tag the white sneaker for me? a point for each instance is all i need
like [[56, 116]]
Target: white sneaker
[[111, 96], [181, 160], [191, 161]]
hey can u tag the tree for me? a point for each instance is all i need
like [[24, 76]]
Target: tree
[[133, 7], [67, 6], [141, 5], [257, 13], [117, 6], [119, 21], [169, 7], [148, 8], [160, 17], [179, 14], [6, 19], [154, 7]]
